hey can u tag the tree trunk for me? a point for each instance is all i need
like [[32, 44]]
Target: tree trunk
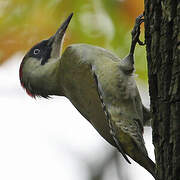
[[162, 34]]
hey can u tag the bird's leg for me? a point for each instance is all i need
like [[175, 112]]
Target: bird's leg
[[128, 62], [136, 33]]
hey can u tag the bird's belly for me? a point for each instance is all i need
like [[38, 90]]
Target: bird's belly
[[81, 90]]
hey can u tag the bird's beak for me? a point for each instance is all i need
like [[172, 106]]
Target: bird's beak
[[56, 40]]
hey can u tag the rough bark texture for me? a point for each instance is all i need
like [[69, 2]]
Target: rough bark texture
[[162, 34]]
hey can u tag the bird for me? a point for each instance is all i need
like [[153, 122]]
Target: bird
[[98, 83]]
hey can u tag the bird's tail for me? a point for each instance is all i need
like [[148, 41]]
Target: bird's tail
[[150, 166], [144, 161]]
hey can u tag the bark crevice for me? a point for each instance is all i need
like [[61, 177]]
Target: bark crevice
[[162, 25]]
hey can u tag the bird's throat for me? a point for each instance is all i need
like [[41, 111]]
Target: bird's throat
[[43, 81]]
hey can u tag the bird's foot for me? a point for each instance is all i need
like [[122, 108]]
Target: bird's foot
[[136, 30], [136, 33]]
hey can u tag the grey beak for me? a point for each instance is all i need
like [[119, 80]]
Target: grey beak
[[56, 40]]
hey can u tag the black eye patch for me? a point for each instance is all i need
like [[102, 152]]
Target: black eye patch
[[41, 51]]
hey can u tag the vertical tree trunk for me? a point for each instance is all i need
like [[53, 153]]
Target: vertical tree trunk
[[162, 34]]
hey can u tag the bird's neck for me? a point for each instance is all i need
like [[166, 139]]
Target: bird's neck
[[53, 79], [46, 80]]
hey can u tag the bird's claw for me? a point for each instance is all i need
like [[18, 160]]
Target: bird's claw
[[136, 30], [141, 43]]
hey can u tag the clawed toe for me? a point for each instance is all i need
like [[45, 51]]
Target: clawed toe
[[136, 33], [136, 30], [141, 43]]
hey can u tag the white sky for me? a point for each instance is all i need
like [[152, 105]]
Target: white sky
[[44, 139]]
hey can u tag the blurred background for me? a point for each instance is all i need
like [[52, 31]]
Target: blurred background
[[49, 139]]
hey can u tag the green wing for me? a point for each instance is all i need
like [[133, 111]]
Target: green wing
[[121, 98], [118, 95]]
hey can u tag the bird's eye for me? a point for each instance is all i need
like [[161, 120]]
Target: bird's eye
[[36, 51]]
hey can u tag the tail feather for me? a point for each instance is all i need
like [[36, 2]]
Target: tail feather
[[147, 163]]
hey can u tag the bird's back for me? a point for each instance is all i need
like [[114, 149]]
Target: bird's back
[[85, 70]]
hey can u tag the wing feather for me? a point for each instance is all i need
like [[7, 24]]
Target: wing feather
[[119, 95]]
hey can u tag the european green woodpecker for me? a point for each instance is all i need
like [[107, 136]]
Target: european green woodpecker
[[98, 83]]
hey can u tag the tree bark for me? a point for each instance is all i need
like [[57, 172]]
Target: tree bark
[[162, 34]]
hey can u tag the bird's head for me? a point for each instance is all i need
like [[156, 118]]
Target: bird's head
[[37, 66]]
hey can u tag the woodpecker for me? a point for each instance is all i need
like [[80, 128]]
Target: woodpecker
[[98, 83]]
